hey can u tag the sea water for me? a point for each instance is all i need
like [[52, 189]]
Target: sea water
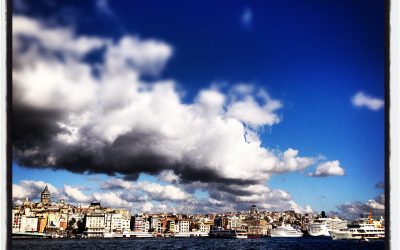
[[324, 243]]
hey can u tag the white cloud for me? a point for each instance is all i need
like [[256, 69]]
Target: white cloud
[[210, 102], [160, 192], [112, 199], [54, 39], [75, 195], [168, 176], [122, 124], [250, 112], [32, 189], [147, 207], [329, 168], [154, 191], [362, 100], [290, 161], [146, 56], [353, 210]]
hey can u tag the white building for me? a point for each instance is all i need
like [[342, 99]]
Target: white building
[[16, 221], [53, 220], [232, 222], [116, 222], [95, 225], [182, 226], [154, 221], [204, 227], [141, 225], [29, 224]]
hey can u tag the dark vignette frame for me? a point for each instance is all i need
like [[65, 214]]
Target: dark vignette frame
[[8, 10]]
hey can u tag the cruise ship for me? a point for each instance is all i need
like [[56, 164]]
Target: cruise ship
[[285, 230], [323, 226], [219, 232], [361, 230]]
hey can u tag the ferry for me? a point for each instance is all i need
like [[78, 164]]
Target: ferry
[[190, 234], [130, 234], [113, 235], [361, 230], [219, 232], [285, 230], [323, 226]]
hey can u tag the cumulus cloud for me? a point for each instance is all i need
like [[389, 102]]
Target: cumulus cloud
[[75, 195], [353, 210], [103, 117], [52, 39], [362, 100], [154, 191], [111, 199], [168, 176], [32, 189], [329, 168]]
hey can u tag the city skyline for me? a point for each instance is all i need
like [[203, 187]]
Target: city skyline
[[214, 107]]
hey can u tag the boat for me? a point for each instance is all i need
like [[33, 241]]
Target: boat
[[130, 234], [362, 229], [113, 235], [323, 226], [285, 230], [190, 234], [360, 232], [219, 232]]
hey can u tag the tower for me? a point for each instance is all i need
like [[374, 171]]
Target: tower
[[45, 197], [253, 209]]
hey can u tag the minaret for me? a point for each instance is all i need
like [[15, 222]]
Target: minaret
[[45, 197]]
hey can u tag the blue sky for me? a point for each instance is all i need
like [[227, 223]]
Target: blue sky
[[312, 56]]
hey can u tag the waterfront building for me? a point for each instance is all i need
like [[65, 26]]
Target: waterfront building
[[154, 221], [16, 220], [140, 224], [232, 222], [63, 222], [42, 222], [161, 226], [94, 225], [116, 223], [29, 224], [53, 221], [171, 226], [205, 227], [182, 225]]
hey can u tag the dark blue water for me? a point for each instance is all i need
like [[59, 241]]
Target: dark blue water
[[196, 243]]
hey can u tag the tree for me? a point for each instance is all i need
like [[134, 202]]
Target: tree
[[71, 224]]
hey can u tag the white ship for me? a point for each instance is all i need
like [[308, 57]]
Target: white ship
[[113, 235], [130, 234], [190, 234], [285, 230], [222, 233], [361, 230], [323, 226]]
